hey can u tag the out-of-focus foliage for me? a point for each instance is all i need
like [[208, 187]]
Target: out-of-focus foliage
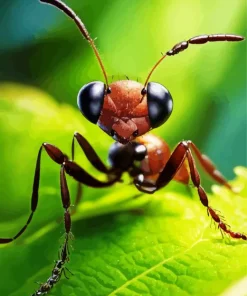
[[43, 48], [169, 249]]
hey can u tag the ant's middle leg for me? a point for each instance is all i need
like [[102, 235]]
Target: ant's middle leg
[[177, 158]]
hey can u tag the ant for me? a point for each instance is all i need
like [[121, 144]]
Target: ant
[[57, 271], [126, 110]]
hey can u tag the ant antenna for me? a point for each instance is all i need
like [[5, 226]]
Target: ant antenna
[[62, 6], [201, 39]]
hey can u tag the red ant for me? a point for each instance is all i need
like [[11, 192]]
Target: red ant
[[127, 110]]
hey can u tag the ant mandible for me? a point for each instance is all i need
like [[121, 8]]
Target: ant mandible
[[126, 110]]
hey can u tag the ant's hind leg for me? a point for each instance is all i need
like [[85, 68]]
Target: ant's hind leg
[[177, 158], [182, 175], [209, 166], [218, 218]]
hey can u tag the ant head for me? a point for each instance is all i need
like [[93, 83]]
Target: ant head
[[125, 109]]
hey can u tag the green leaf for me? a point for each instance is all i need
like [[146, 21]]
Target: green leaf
[[168, 248]]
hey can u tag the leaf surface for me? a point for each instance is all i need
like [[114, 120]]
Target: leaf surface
[[168, 248]]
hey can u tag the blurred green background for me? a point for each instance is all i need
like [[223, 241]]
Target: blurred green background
[[41, 47]]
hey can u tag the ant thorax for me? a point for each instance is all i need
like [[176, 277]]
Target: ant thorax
[[124, 115]]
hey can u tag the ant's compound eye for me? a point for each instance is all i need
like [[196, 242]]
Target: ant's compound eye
[[160, 103], [90, 100], [135, 133]]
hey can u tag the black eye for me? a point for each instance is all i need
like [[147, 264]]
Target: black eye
[[90, 100], [160, 103], [135, 133]]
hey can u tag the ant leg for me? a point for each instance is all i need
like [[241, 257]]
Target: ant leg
[[89, 152], [56, 155], [64, 254], [78, 173], [209, 166], [69, 271], [64, 272], [67, 218], [177, 158], [204, 199], [81, 176], [182, 175], [93, 159], [174, 163], [34, 200], [78, 198], [65, 275]]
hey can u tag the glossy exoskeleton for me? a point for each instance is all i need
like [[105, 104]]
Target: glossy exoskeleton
[[126, 110]]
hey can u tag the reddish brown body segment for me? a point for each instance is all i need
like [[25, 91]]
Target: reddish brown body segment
[[158, 153], [125, 112]]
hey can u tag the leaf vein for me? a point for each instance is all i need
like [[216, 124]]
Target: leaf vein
[[156, 266]]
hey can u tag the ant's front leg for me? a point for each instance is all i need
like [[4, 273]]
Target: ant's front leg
[[89, 152], [70, 167], [177, 158], [93, 158]]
